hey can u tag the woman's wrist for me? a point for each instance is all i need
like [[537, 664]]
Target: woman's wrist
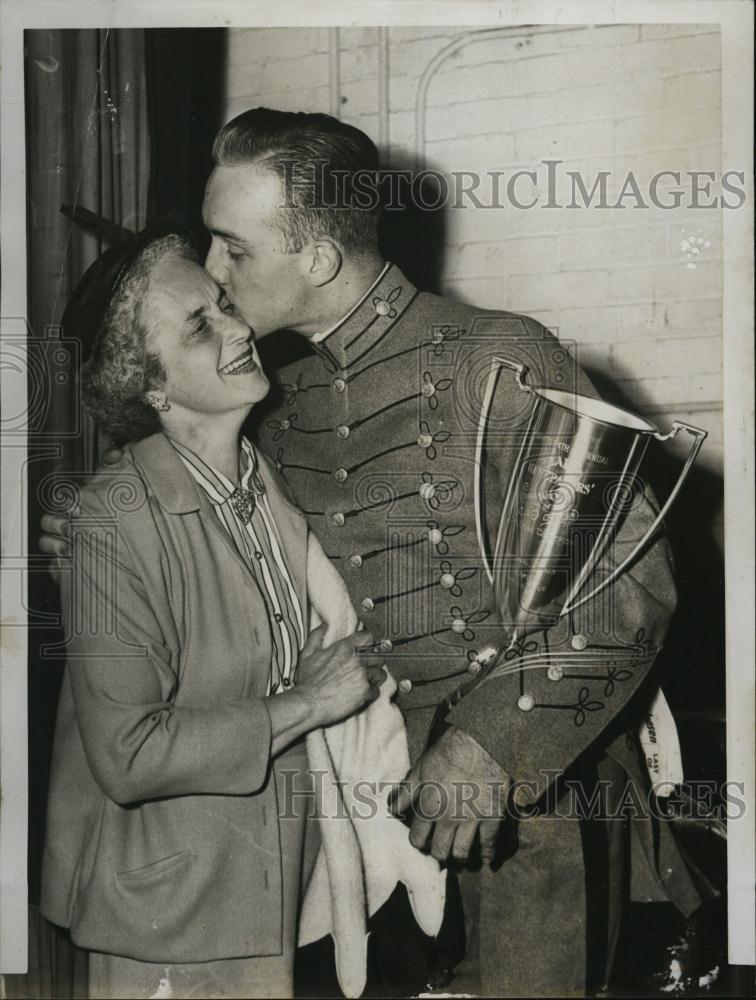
[[292, 714]]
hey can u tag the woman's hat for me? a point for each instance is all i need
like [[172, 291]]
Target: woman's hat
[[89, 301]]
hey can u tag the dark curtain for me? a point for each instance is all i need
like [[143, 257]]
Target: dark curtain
[[119, 122]]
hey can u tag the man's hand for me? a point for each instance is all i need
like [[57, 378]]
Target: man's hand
[[57, 527], [457, 790]]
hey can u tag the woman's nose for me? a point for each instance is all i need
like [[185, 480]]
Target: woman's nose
[[234, 328]]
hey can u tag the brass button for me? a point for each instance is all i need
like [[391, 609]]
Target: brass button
[[405, 685], [339, 384], [435, 537], [367, 604], [447, 581], [386, 645], [458, 625], [382, 307], [338, 519], [555, 672], [340, 475], [425, 440], [579, 642], [526, 702], [343, 431], [474, 667], [429, 389], [427, 491], [355, 561]]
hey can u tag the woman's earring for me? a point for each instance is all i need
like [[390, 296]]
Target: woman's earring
[[159, 403]]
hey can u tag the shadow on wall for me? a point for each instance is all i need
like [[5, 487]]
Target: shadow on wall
[[413, 236], [692, 663]]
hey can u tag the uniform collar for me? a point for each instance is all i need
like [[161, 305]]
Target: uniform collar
[[367, 323]]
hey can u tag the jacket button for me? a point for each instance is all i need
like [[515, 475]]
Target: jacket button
[[367, 604], [343, 431], [435, 537], [427, 491], [474, 667], [459, 625], [447, 581], [386, 646], [339, 384], [338, 519], [526, 702], [555, 672], [405, 685], [428, 390], [579, 642], [382, 307], [425, 440], [340, 475], [355, 560]]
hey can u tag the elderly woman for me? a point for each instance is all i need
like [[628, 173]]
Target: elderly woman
[[179, 790]]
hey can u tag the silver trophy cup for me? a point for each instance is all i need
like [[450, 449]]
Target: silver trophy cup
[[574, 478]]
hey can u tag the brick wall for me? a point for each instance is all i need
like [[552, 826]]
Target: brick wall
[[638, 291]]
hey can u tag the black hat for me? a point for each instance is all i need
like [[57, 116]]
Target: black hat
[[93, 294]]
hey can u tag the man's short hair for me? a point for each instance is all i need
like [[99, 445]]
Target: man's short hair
[[328, 169], [121, 368]]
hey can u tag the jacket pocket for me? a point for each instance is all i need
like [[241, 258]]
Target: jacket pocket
[[155, 868]]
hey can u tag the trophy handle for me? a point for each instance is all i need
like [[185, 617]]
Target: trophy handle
[[496, 365], [698, 439]]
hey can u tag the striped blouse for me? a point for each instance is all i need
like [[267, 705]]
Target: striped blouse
[[260, 545]]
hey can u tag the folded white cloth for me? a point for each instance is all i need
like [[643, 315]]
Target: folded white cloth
[[365, 850]]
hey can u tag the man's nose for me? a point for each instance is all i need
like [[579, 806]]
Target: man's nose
[[214, 265]]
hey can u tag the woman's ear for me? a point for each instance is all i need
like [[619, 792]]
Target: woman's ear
[[324, 259]]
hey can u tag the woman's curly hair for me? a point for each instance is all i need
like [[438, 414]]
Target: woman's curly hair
[[121, 369]]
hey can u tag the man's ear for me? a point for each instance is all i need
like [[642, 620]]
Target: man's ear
[[324, 261]]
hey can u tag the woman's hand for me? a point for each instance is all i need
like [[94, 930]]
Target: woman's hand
[[339, 680]]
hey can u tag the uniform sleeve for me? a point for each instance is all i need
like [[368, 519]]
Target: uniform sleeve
[[556, 692], [138, 743]]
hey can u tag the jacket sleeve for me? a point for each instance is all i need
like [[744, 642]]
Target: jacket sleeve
[[138, 743], [558, 689]]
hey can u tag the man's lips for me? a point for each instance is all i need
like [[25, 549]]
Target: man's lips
[[244, 362]]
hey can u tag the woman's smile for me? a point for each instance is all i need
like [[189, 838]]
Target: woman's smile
[[242, 363]]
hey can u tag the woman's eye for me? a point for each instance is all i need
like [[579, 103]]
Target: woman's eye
[[201, 329]]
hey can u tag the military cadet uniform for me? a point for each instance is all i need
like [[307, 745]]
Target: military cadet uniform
[[374, 430]]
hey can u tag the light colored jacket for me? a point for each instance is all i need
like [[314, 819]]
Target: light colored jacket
[[163, 831]]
